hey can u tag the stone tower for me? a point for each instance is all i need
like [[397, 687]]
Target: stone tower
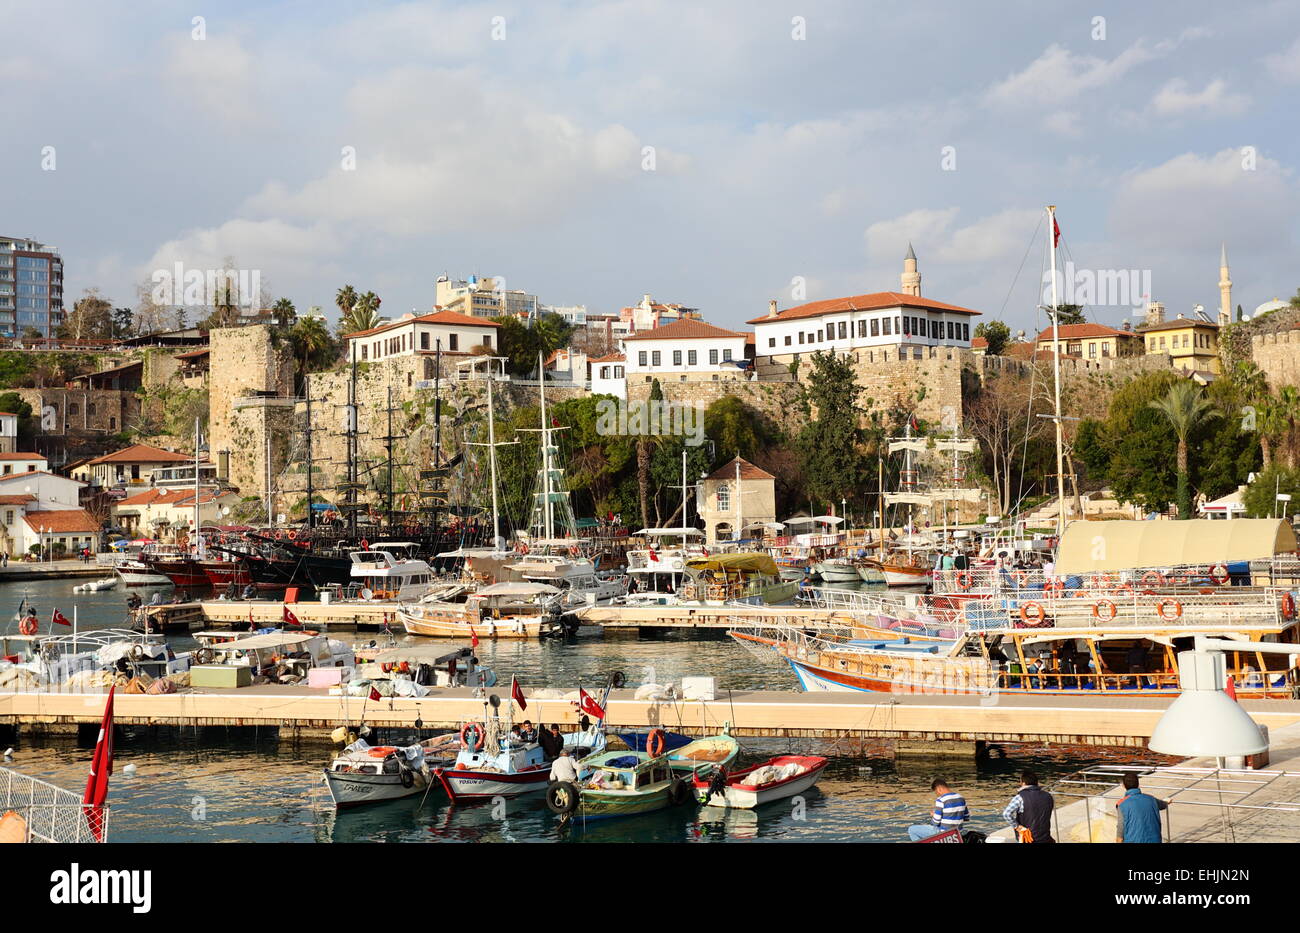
[[1225, 289], [911, 278]]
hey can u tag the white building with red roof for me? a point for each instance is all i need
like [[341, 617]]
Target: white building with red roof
[[129, 466], [411, 335], [23, 527], [22, 463], [901, 323], [685, 350], [161, 511], [609, 375]]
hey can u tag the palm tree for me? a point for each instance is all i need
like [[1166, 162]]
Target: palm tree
[[1185, 407], [345, 299], [362, 315], [1288, 413], [285, 312], [313, 347]]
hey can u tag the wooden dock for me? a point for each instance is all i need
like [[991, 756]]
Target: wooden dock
[[850, 717], [361, 615]]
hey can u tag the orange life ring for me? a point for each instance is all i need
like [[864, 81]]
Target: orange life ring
[[1106, 614], [479, 734], [381, 751], [293, 536], [1288, 606], [655, 743], [963, 580], [1178, 609], [1036, 616], [1153, 578], [279, 536], [27, 626], [1217, 577]]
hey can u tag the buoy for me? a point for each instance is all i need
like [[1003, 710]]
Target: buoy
[[129, 769]]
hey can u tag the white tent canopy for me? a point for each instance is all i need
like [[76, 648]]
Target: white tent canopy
[[1126, 545], [816, 519]]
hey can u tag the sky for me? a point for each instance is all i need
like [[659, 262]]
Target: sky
[[713, 154]]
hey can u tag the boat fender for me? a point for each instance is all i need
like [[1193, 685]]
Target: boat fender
[[1288, 606], [478, 733], [1164, 604], [655, 743], [562, 798], [408, 777], [678, 793]]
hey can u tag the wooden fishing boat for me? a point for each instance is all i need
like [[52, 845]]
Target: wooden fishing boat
[[716, 750], [619, 784], [501, 610], [774, 779], [362, 773]]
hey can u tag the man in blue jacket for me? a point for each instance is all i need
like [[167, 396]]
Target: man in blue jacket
[[1138, 814]]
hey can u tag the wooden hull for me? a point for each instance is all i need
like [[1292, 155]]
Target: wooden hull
[[899, 575], [463, 784], [608, 804], [457, 625], [352, 790]]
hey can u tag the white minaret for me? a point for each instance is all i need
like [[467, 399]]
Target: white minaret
[[1225, 289], [911, 278]]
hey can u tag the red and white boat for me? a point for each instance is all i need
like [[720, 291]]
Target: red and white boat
[[774, 779]]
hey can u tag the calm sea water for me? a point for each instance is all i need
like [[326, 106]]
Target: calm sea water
[[219, 785]]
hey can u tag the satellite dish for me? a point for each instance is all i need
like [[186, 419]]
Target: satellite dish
[[494, 701]]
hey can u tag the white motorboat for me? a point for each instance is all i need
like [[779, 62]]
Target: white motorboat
[[774, 779], [502, 610], [577, 579], [385, 573], [362, 773]]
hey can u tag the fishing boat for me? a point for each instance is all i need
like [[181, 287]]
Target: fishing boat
[[636, 741], [838, 570], [362, 773], [618, 784], [775, 779], [713, 750]]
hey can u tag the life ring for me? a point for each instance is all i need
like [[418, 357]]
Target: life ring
[[479, 734], [655, 743], [137, 653], [279, 536], [1153, 578], [1122, 589], [293, 536], [573, 551], [27, 626], [1219, 574], [1163, 604], [1034, 617], [963, 580], [1104, 610], [1288, 606]]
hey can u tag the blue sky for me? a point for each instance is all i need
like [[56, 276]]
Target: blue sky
[[776, 158]]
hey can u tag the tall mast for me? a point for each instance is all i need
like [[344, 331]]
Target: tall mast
[[548, 514], [311, 521], [437, 426], [1056, 378], [198, 538], [492, 460], [738, 507]]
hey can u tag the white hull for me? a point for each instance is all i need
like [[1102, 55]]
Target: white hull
[[749, 799], [839, 573], [349, 789], [906, 577], [476, 784], [451, 626], [140, 576]]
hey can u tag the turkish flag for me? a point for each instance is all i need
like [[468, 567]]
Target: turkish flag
[[654, 558], [290, 618], [517, 694], [101, 766], [374, 694], [59, 619], [1231, 688], [473, 637], [252, 626], [587, 703], [1056, 232]]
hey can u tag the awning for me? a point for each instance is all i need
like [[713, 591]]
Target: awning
[[1127, 545], [735, 563]]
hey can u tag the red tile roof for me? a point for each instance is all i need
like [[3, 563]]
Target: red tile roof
[[437, 317], [63, 521], [685, 329], [1177, 324], [141, 453], [172, 496], [17, 500], [979, 343], [1076, 331], [872, 302], [21, 456], [612, 358], [747, 471]]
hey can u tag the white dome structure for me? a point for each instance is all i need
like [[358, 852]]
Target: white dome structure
[[1268, 306]]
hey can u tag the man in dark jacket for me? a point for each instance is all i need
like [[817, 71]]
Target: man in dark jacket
[[1138, 814], [1030, 811]]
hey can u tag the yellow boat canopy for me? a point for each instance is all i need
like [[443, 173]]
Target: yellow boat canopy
[[736, 563], [1123, 545]]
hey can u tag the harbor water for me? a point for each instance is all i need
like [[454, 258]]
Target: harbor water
[[246, 785]]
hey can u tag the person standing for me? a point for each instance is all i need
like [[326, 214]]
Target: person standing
[[1138, 814], [950, 812], [1030, 811]]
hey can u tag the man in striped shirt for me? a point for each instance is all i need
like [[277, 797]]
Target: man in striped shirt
[[949, 813]]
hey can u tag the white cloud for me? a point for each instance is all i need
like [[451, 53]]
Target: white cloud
[[1175, 99], [939, 240], [217, 74], [1059, 74], [1064, 123], [1285, 66], [887, 239], [271, 246]]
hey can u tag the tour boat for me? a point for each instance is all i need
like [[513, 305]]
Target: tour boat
[[748, 577], [775, 779], [385, 573]]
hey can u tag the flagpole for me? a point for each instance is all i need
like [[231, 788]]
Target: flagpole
[[1056, 377]]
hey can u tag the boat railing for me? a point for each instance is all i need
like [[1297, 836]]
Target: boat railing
[[1225, 607], [51, 814]]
